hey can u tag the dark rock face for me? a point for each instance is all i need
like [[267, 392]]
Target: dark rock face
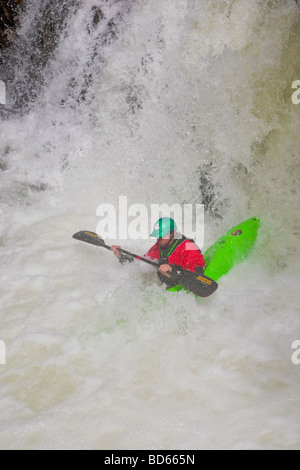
[[9, 19], [29, 38], [23, 57]]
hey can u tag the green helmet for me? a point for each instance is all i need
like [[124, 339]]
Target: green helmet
[[163, 226]]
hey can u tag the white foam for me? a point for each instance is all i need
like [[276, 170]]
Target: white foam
[[98, 355]]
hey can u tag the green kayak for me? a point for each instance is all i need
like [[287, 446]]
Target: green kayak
[[229, 250]]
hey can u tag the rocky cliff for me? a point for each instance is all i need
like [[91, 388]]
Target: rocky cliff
[[9, 19]]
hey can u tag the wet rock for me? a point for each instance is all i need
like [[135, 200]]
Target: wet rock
[[9, 19], [213, 202], [24, 57]]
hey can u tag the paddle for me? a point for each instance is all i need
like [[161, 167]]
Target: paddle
[[200, 285]]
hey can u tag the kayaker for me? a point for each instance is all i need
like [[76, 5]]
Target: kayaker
[[172, 251]]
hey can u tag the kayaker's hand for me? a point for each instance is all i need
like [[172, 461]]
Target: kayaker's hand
[[116, 249], [164, 268]]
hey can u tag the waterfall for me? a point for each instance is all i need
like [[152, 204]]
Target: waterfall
[[164, 102]]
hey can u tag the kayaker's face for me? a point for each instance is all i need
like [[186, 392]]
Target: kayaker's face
[[164, 241]]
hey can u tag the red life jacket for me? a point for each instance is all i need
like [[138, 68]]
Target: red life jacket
[[183, 252]]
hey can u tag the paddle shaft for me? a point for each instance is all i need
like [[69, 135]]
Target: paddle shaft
[[132, 254]]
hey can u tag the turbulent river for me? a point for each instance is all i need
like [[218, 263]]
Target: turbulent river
[[174, 101]]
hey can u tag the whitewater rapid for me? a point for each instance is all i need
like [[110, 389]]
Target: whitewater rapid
[[162, 102]]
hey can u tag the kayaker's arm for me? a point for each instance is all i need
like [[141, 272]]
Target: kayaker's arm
[[168, 269], [121, 257]]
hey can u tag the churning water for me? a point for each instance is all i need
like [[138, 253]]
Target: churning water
[[174, 101]]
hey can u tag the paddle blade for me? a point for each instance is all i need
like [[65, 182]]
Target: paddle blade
[[89, 237], [198, 284]]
